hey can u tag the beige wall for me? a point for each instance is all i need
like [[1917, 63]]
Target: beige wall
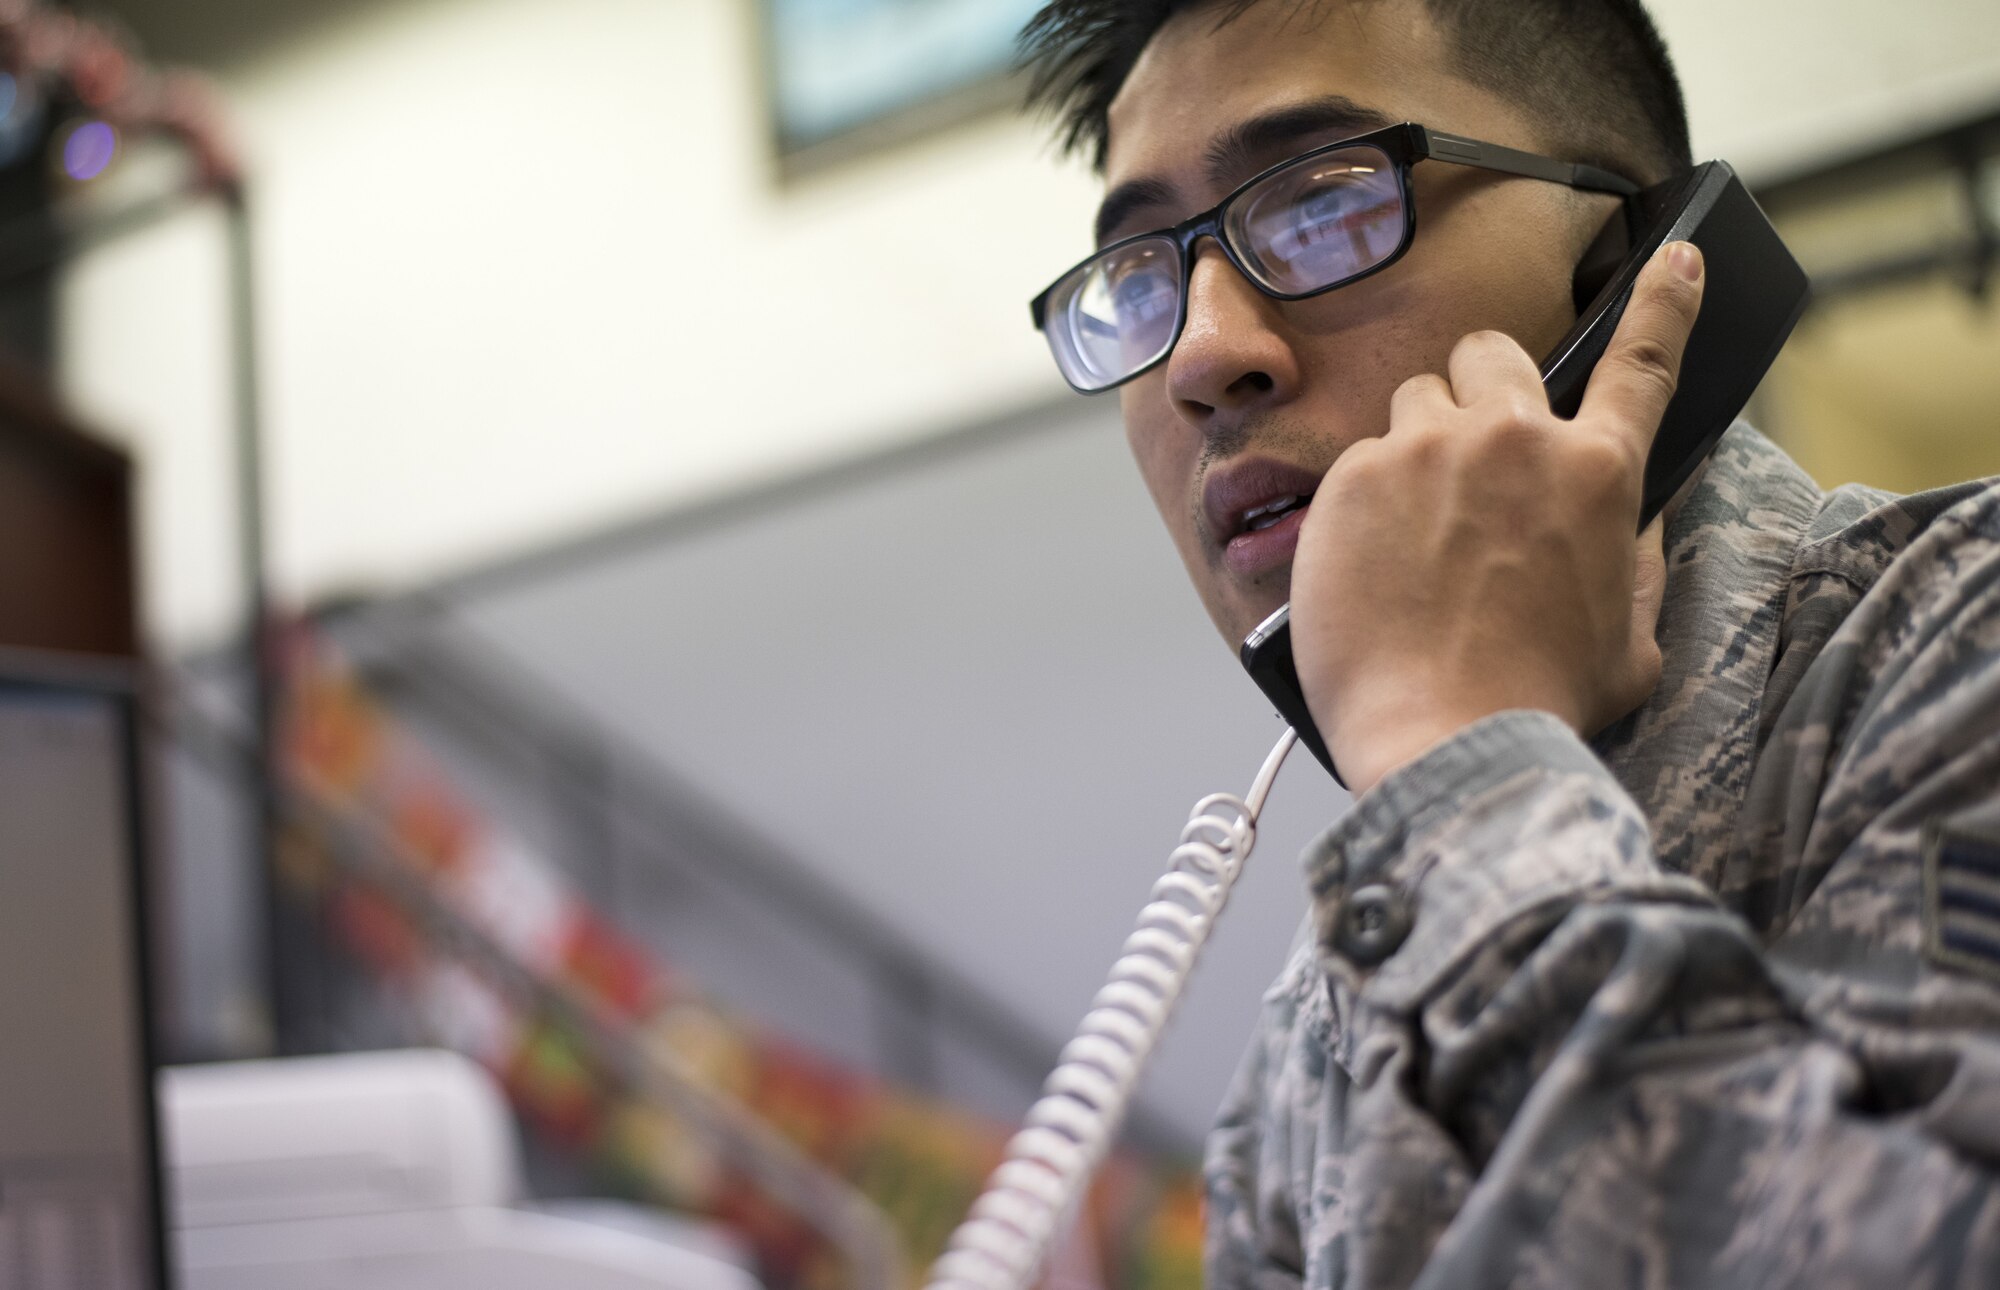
[[527, 271], [1899, 389]]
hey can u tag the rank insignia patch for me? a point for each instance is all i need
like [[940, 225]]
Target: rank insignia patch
[[1962, 898]]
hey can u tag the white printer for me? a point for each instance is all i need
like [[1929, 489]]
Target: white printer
[[391, 1171]]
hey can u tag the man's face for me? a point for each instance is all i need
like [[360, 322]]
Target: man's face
[[1261, 396]]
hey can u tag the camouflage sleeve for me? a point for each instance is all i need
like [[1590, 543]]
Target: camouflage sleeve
[[1550, 1062]]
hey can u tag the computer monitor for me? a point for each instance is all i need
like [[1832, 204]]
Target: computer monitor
[[80, 1204]]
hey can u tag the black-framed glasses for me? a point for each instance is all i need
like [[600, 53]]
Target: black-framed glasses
[[1319, 221]]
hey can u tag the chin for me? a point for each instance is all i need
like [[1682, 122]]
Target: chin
[[1238, 619]]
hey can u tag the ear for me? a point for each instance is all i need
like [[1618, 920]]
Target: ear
[[1601, 259]]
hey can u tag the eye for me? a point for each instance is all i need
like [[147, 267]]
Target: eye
[[1121, 308], [1335, 203], [1143, 294], [1319, 221]]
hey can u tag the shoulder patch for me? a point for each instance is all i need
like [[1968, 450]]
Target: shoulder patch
[[1962, 897]]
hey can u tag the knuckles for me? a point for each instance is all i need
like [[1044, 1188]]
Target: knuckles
[[1508, 429], [1420, 389], [1357, 471], [1602, 466], [1650, 360], [1520, 415], [1507, 438], [1487, 340]]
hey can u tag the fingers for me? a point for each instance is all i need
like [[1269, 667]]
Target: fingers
[[1635, 379], [1653, 538], [1419, 396], [1492, 365], [1649, 595]]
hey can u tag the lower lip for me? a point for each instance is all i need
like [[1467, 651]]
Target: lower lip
[[1261, 550]]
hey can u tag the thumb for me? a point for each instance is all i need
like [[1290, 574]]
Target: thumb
[[1634, 381]]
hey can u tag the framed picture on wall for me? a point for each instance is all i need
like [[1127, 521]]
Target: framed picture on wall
[[851, 76]]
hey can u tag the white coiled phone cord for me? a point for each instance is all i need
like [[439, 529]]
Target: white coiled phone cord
[[1008, 1235]]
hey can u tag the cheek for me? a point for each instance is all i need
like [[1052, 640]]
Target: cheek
[[1527, 297], [1502, 270], [1354, 363], [1438, 302], [1163, 446]]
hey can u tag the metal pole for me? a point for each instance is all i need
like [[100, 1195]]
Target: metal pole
[[281, 979]]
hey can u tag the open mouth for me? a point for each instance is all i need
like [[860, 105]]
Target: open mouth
[[1255, 507], [1259, 518], [1267, 535]]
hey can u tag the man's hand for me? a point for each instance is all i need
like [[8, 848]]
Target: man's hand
[[1479, 556]]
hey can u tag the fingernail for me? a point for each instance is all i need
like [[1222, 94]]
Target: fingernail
[[1684, 258]]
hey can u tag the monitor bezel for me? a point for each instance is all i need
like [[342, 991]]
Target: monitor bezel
[[120, 683]]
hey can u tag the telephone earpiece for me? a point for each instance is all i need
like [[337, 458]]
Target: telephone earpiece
[[1601, 260], [1755, 291]]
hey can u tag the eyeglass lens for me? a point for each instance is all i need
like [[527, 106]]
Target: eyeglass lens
[[1310, 226]]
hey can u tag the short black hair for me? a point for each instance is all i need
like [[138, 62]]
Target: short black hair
[[1594, 73]]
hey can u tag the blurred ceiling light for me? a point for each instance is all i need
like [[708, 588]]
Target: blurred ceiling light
[[88, 149]]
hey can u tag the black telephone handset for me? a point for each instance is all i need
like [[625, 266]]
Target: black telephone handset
[[1753, 295]]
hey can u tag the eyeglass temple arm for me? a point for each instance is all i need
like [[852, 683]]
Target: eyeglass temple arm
[[1491, 156]]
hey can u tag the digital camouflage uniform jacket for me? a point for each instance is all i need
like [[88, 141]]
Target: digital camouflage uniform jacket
[[1711, 1002]]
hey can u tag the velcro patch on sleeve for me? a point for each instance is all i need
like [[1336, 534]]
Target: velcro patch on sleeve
[[1962, 898]]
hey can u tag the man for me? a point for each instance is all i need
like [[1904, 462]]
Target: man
[[1662, 944]]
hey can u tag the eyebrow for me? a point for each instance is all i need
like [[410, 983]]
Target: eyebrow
[[1244, 149]]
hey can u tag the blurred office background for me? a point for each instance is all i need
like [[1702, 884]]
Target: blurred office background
[[729, 689]]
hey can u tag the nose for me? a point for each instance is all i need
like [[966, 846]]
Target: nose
[[1234, 354]]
